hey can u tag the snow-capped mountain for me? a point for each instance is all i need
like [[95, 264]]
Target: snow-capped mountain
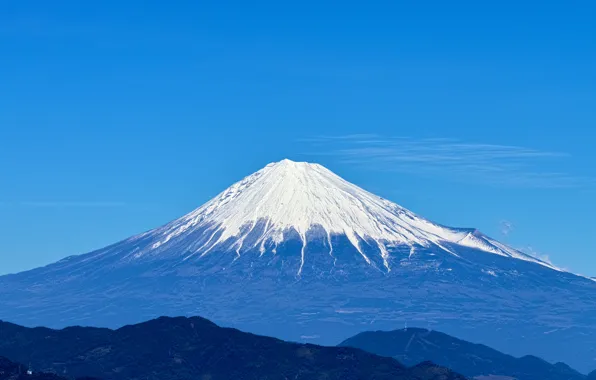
[[297, 252], [307, 199]]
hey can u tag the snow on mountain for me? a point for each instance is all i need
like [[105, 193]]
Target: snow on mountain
[[290, 195]]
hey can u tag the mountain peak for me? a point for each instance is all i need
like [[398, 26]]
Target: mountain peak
[[288, 162], [287, 167], [290, 165]]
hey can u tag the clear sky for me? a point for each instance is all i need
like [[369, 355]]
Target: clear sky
[[118, 116]]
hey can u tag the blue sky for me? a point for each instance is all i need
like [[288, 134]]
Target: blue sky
[[117, 117]]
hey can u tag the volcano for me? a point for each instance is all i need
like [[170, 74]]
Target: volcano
[[295, 251]]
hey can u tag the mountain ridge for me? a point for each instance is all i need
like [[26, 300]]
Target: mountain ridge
[[413, 345], [195, 348]]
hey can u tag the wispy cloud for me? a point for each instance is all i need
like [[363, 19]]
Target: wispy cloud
[[63, 204], [506, 227], [504, 165]]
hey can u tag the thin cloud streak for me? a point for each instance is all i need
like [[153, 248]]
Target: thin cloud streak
[[61, 204], [506, 227], [501, 165]]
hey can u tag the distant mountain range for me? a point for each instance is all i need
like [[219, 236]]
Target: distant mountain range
[[194, 348], [296, 252], [413, 345]]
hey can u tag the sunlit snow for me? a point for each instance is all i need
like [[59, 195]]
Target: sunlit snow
[[299, 196]]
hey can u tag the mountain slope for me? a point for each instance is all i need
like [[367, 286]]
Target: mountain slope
[[194, 348], [296, 252], [412, 346]]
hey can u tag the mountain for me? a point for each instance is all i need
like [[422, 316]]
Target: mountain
[[195, 348], [296, 252], [413, 345]]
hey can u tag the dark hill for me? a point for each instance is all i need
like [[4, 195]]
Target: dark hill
[[412, 346], [194, 348]]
